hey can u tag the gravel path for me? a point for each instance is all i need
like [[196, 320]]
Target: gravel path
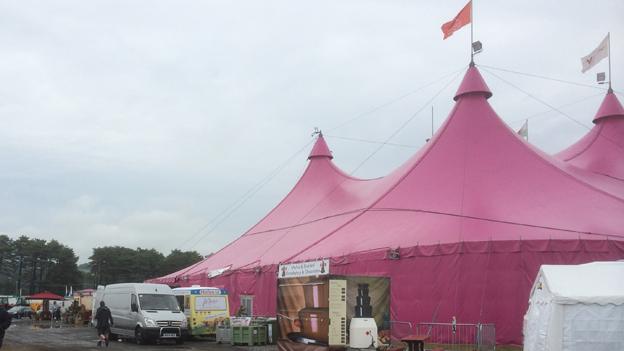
[[25, 335]]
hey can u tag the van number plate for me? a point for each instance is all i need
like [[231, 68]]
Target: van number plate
[[170, 335]]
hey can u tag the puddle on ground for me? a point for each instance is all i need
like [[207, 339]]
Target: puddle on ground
[[47, 325]]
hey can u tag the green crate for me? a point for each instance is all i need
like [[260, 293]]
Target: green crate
[[249, 335]]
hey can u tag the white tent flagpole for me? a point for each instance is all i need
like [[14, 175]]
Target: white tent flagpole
[[472, 33], [431, 120], [609, 58]]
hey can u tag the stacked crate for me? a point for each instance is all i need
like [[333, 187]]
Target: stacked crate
[[249, 335]]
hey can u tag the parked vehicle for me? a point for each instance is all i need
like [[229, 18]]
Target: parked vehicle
[[205, 308], [10, 301], [144, 312], [19, 312], [4, 300]]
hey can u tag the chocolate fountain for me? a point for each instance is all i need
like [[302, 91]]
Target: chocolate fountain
[[363, 329]]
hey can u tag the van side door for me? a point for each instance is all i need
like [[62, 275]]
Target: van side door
[[134, 315]]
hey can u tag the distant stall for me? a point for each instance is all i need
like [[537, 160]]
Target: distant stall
[[84, 298], [82, 307], [45, 297]]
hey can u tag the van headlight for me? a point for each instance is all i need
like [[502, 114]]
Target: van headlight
[[150, 322], [184, 323]]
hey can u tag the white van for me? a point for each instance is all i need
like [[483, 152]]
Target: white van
[[142, 311]]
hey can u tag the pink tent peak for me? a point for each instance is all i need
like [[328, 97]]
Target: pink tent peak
[[473, 83], [610, 107], [320, 148]]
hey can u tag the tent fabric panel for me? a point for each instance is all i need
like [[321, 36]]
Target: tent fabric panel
[[601, 149], [603, 182], [235, 255], [287, 242], [468, 174], [593, 327], [319, 179], [538, 316], [500, 295], [482, 286], [262, 286], [241, 253], [598, 287], [378, 230], [267, 248], [322, 191], [536, 327]]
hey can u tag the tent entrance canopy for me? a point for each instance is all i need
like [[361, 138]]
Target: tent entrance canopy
[[576, 307]]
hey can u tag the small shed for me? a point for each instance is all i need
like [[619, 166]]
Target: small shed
[[576, 307]]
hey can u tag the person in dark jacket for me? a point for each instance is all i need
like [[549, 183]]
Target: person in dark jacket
[[104, 322], [5, 322], [56, 312]]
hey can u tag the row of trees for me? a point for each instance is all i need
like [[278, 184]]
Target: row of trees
[[116, 264], [28, 266]]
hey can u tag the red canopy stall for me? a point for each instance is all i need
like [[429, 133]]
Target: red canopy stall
[[46, 296]]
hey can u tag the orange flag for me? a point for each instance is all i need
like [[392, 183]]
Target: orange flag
[[462, 19]]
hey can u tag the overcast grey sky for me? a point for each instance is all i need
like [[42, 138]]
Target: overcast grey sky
[[136, 123]]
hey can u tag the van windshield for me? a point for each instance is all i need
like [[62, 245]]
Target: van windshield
[[158, 302], [210, 303]]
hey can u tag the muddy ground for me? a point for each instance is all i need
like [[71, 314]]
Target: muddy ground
[[25, 335]]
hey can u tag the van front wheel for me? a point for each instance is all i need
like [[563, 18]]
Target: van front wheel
[[138, 336]]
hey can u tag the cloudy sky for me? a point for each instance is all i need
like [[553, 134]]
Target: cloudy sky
[[179, 124]]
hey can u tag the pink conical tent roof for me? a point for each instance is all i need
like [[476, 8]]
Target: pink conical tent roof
[[602, 149], [475, 180], [473, 83], [320, 148]]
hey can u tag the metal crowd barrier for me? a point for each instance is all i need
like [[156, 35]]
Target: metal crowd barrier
[[458, 336], [401, 328]]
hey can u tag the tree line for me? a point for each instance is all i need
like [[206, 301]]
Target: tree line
[[116, 264], [30, 265]]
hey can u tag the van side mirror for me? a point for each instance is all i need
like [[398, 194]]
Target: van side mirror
[[134, 307]]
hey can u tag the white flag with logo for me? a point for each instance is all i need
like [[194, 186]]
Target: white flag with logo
[[595, 56]]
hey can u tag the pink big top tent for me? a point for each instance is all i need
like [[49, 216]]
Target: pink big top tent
[[473, 215]]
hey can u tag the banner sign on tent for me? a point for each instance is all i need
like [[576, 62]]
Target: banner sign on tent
[[217, 272], [304, 269]]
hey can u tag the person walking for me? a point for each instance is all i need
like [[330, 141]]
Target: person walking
[[5, 322], [104, 322], [56, 312]]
